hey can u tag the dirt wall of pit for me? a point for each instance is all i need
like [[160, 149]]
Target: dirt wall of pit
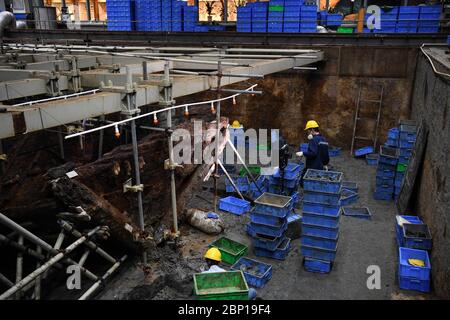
[[329, 94], [430, 107]]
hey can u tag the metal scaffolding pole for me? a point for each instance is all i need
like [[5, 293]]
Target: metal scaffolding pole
[[5, 280], [26, 250], [169, 101], [38, 241], [216, 173], [100, 140], [47, 265], [131, 110], [91, 245], [37, 286], [100, 282], [19, 266]]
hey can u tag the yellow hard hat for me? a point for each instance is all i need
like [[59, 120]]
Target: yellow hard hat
[[311, 124], [236, 124], [213, 254]]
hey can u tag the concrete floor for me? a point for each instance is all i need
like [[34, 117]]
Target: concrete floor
[[361, 243]]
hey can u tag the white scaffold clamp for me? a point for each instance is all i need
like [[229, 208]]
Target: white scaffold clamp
[[168, 165]]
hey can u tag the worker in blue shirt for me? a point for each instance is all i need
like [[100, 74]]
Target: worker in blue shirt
[[317, 156]]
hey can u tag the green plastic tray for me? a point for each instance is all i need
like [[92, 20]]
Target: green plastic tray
[[252, 169], [276, 8], [401, 167], [344, 30], [231, 250], [230, 285]]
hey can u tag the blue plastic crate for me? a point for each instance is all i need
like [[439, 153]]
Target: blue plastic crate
[[390, 174], [273, 204], [322, 181], [256, 273], [319, 242], [407, 144], [407, 270], [387, 167], [388, 155], [269, 230], [409, 9], [331, 221], [350, 185], [321, 197], [291, 171], [261, 182], [385, 196], [407, 283], [250, 230], [357, 212], [348, 197], [382, 181], [266, 242], [428, 29], [391, 142], [274, 27], [234, 205], [372, 159], [399, 228], [287, 29], [308, 30], [405, 152], [317, 230], [404, 160], [326, 209], [318, 253], [304, 147], [309, 8], [363, 151], [417, 236], [242, 183], [430, 9], [317, 266], [280, 253], [385, 189], [286, 183], [266, 219]]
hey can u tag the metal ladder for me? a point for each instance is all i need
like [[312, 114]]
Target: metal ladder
[[374, 137]]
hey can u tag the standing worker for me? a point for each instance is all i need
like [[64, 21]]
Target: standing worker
[[213, 258], [317, 156]]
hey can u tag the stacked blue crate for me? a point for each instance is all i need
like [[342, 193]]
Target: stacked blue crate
[[268, 225], [177, 15], [286, 182], [388, 21], [385, 177], [406, 141], [190, 14], [407, 19], [244, 18], [275, 16], [154, 15], [291, 22], [413, 277], [121, 15], [308, 18], [392, 138], [320, 223], [429, 18], [166, 15], [259, 16]]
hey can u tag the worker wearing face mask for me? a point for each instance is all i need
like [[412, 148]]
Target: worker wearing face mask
[[317, 156]]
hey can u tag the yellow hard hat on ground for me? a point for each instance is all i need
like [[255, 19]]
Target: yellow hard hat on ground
[[235, 124], [213, 254], [311, 124]]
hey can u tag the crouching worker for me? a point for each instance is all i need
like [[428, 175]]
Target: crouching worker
[[213, 258], [317, 156]]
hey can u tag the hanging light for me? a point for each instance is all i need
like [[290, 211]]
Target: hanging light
[[252, 93], [186, 112], [116, 131], [155, 119], [234, 100], [213, 110]]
